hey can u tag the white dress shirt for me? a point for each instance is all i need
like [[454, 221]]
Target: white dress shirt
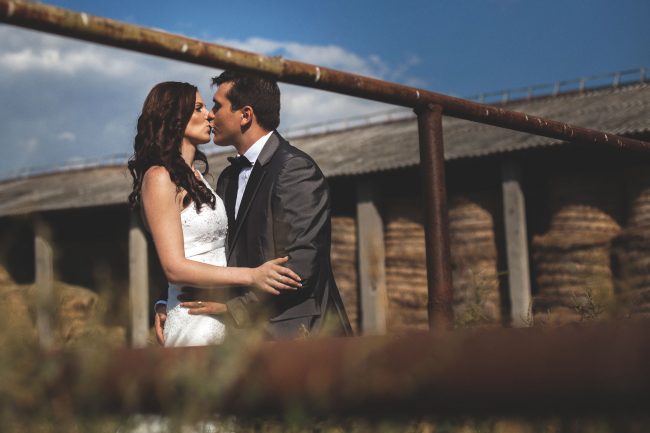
[[251, 154]]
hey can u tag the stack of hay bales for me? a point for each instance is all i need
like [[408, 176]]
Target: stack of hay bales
[[474, 258], [406, 270], [344, 264], [632, 248], [572, 260], [473, 255]]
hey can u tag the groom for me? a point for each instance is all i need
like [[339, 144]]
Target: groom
[[278, 204]]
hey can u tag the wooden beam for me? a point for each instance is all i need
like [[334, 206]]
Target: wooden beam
[[514, 215], [138, 283], [44, 281], [372, 259]]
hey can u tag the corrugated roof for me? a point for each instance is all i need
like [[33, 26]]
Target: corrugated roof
[[624, 110]]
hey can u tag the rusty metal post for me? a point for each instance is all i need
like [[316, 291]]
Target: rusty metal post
[[587, 369], [436, 225]]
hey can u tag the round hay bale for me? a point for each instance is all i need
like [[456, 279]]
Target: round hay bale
[[573, 276], [638, 192], [473, 251], [476, 293], [474, 258], [584, 204], [78, 315], [344, 264], [558, 316], [632, 252], [16, 317], [406, 280], [471, 226], [5, 277]]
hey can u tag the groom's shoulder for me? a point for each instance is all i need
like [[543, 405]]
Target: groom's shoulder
[[287, 152]]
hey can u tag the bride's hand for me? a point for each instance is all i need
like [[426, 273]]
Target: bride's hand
[[272, 276]]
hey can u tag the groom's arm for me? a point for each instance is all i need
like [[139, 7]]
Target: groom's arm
[[300, 205]]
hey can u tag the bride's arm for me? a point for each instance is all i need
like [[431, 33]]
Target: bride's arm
[[162, 206]]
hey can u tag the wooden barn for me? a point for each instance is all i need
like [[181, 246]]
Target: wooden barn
[[542, 231]]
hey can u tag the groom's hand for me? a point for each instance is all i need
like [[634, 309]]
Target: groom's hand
[[200, 307], [202, 301], [159, 323]]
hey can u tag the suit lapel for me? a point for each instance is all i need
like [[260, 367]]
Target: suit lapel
[[252, 186], [230, 196]]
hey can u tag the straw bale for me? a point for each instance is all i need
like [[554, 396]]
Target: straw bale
[[476, 293], [344, 264], [584, 204], [5, 277], [632, 250], [16, 320], [550, 269], [638, 192], [572, 270], [578, 242], [409, 297], [78, 314], [559, 315], [473, 250]]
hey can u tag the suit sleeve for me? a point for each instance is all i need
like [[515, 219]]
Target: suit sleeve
[[300, 205]]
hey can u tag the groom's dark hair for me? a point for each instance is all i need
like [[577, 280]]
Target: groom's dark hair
[[263, 94]]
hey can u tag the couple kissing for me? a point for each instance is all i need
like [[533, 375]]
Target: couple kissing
[[254, 252]]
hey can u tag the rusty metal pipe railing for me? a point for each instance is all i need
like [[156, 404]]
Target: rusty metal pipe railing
[[114, 33], [436, 225], [575, 370]]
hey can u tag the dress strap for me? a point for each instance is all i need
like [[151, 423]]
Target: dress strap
[[205, 182]]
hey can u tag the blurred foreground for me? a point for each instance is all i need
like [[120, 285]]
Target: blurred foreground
[[575, 378]]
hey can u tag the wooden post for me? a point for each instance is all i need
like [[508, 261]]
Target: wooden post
[[44, 281], [138, 283], [514, 215], [372, 258]]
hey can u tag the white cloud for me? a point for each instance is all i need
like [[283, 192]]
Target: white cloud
[[58, 55], [67, 136], [93, 94], [331, 56]]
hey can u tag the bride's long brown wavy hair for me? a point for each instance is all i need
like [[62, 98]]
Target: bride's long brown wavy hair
[[161, 126]]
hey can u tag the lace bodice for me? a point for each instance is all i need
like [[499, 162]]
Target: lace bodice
[[204, 240], [205, 230]]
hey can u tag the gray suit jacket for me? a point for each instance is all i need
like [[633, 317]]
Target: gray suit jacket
[[285, 210]]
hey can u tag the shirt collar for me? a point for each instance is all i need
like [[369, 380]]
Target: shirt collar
[[254, 151]]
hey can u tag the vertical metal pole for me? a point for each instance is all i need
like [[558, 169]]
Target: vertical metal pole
[[436, 225], [44, 281], [138, 283]]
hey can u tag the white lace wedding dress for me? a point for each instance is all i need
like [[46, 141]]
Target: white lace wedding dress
[[204, 236]]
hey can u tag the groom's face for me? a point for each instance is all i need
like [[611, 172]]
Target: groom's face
[[226, 124]]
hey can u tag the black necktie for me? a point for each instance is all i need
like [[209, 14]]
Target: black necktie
[[238, 163]]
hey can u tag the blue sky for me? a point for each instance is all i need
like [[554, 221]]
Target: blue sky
[[67, 101]]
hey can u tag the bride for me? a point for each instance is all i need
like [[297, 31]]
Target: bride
[[186, 218]]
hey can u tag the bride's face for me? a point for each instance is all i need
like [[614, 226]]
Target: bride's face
[[198, 128]]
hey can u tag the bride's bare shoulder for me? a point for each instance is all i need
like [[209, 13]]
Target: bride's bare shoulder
[[157, 178]]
